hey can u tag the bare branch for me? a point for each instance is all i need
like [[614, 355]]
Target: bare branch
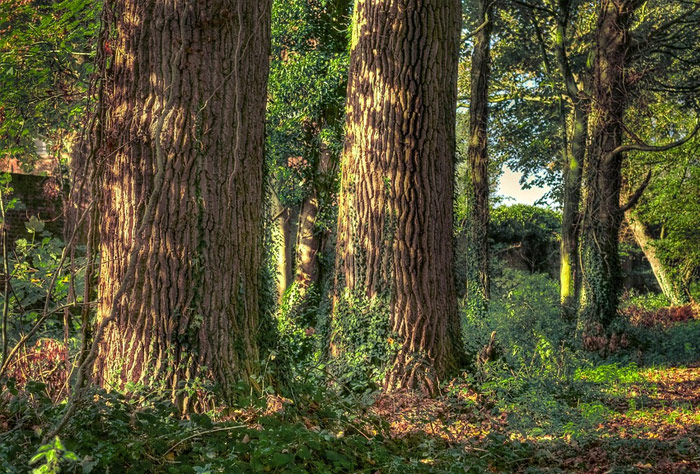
[[479, 28], [535, 7], [637, 194], [651, 148]]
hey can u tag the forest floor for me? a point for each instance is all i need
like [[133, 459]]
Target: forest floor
[[641, 420], [623, 419], [555, 410]]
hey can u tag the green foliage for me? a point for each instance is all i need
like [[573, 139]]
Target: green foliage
[[52, 455], [36, 274], [533, 375], [524, 314], [45, 66], [34, 264], [677, 344], [316, 432], [524, 127], [670, 206], [529, 234], [306, 91], [361, 342], [299, 344], [610, 374], [648, 301]]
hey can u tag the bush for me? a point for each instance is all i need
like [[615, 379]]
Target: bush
[[527, 237], [533, 379], [524, 313]]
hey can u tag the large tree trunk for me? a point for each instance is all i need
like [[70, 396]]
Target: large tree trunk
[[671, 289], [395, 242], [602, 275], [477, 154], [182, 193]]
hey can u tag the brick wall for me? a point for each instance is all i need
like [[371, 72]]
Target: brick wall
[[40, 196]]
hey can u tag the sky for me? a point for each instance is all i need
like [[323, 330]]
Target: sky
[[509, 186]]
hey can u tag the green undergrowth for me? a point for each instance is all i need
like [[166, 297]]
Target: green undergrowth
[[111, 432], [539, 404], [549, 387]]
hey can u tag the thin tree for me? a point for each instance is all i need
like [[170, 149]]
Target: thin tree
[[576, 87], [477, 154], [394, 246]]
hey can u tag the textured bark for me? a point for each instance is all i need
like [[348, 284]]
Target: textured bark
[[669, 287], [182, 193], [603, 177], [477, 154], [395, 243], [574, 156]]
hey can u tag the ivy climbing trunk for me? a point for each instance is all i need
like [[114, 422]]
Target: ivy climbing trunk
[[601, 272], [395, 245], [311, 239], [477, 154], [181, 193]]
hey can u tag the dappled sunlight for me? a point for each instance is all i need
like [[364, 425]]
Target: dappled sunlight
[[657, 423], [646, 418], [456, 417]]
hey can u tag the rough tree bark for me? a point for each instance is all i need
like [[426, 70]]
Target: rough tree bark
[[395, 242], [601, 272], [182, 193], [477, 154]]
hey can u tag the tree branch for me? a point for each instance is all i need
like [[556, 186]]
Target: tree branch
[[651, 148], [479, 28], [486, 21], [535, 7], [637, 194]]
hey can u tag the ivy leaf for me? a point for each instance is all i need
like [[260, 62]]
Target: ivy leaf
[[34, 225]]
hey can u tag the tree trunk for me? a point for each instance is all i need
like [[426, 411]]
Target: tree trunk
[[602, 275], [668, 286], [477, 154], [394, 256], [574, 156], [181, 194], [288, 222], [308, 244], [310, 239], [569, 273]]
